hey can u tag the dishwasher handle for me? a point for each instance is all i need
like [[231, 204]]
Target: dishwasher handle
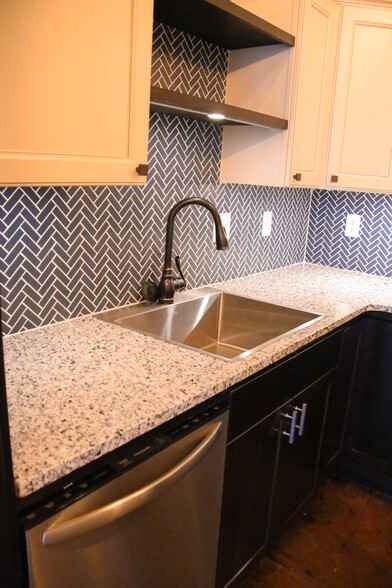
[[124, 506]]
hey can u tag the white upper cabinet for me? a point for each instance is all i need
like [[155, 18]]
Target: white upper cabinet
[[74, 96], [337, 98], [313, 93], [361, 138], [342, 120]]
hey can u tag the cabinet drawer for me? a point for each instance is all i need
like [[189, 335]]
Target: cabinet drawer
[[264, 393]]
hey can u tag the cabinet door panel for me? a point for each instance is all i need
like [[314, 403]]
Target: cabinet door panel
[[340, 395], [367, 454], [75, 90], [314, 92], [298, 462], [371, 420], [361, 139], [249, 469]]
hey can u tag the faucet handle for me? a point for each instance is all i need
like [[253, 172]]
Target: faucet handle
[[178, 264]]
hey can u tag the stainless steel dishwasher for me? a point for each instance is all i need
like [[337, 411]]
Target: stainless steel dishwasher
[[154, 526]]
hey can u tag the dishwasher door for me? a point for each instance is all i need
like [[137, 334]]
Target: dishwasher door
[[155, 526]]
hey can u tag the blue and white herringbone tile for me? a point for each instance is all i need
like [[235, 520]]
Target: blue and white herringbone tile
[[95, 245], [184, 63], [371, 251]]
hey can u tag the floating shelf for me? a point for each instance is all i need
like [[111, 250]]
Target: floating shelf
[[221, 22], [170, 102]]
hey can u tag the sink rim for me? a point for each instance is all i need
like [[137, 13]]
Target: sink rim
[[115, 315]]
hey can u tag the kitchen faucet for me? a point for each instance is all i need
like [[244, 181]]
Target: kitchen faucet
[[168, 285]]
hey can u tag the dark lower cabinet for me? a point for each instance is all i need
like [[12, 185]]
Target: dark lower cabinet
[[368, 447], [249, 475], [299, 450], [340, 395], [330, 404], [275, 432]]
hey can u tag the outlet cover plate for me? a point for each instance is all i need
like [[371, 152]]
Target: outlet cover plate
[[353, 223], [267, 222]]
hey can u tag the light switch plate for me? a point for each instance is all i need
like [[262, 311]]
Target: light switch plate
[[353, 223], [267, 222]]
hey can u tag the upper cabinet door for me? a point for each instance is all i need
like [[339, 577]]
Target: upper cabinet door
[[313, 93], [361, 139], [74, 98]]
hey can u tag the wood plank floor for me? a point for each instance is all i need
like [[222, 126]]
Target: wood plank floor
[[343, 541]]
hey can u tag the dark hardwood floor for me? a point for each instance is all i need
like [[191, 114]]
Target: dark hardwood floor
[[343, 541]]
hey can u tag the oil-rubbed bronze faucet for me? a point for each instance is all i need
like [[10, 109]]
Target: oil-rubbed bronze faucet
[[168, 285]]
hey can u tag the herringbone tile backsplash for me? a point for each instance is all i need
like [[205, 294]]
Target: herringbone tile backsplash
[[371, 251]]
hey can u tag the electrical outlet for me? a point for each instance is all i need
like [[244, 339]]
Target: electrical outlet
[[225, 218], [267, 222], [353, 223]]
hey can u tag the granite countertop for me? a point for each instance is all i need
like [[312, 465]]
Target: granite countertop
[[81, 388]]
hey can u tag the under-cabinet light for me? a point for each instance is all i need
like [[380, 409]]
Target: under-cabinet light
[[216, 116]]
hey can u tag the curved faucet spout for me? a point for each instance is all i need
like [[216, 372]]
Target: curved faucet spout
[[168, 285], [221, 240]]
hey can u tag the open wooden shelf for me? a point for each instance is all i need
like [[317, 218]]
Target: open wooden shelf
[[170, 102], [221, 22]]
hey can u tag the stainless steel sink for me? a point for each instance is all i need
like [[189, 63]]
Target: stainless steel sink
[[217, 323]]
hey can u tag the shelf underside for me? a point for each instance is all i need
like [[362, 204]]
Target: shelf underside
[[221, 22], [170, 102]]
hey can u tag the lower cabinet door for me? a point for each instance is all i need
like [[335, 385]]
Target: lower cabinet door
[[249, 472], [300, 434], [368, 446], [340, 396]]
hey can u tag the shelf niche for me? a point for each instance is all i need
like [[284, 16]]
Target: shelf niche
[[254, 144]]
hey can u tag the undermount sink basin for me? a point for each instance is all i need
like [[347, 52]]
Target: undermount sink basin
[[217, 323]]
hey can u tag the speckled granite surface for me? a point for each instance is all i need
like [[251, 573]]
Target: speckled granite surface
[[81, 388]]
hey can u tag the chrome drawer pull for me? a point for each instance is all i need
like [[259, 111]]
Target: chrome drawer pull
[[293, 418], [303, 417]]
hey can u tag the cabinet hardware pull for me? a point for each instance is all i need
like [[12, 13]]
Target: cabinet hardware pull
[[142, 169], [293, 418], [297, 177], [303, 417], [334, 178]]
